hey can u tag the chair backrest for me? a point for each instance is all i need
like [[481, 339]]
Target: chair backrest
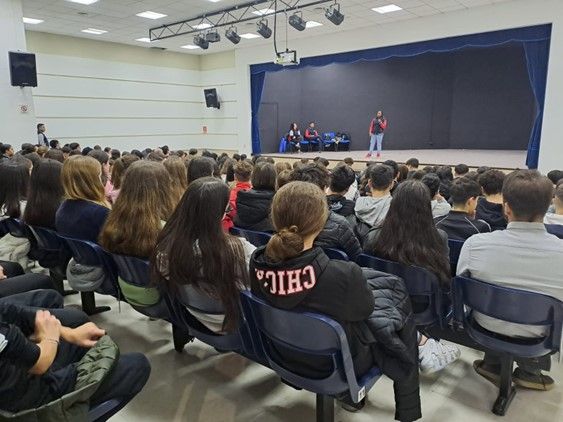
[[254, 237], [422, 285], [455, 249], [555, 229], [48, 239], [133, 270], [309, 334], [512, 306], [14, 226], [336, 254]]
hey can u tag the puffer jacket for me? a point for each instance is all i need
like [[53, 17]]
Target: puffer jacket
[[91, 370], [338, 234], [89, 278], [14, 249], [391, 332], [253, 210]]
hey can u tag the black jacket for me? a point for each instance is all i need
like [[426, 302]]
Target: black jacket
[[338, 234], [459, 226], [491, 213], [253, 210], [372, 316], [340, 205]]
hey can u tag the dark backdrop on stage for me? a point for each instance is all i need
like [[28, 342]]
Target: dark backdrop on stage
[[471, 98]]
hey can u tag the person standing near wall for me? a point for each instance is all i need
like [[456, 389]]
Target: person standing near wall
[[41, 137], [376, 130]]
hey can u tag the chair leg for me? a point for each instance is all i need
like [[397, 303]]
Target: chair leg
[[506, 390], [58, 282], [89, 304], [325, 408]]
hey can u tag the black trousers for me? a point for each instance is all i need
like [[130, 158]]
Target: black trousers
[[530, 365], [125, 381]]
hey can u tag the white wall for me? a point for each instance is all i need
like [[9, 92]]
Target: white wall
[[127, 101], [15, 127], [498, 16]]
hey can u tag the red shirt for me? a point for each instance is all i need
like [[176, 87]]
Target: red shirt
[[230, 216]]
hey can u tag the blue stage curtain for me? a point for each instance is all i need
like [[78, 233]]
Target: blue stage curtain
[[256, 87], [534, 39]]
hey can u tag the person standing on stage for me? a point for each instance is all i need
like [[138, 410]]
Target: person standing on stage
[[41, 137], [376, 131]]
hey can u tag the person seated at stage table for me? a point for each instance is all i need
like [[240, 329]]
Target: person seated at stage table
[[524, 256], [440, 206], [337, 232], [311, 134], [294, 137], [460, 170], [460, 223], [341, 179], [490, 208]]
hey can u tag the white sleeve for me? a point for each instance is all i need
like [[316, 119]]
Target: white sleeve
[[249, 249], [464, 256]]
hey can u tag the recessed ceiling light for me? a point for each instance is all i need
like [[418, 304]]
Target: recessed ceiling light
[[94, 31], [387, 9], [144, 39], [83, 1], [190, 47], [263, 12], [203, 25], [151, 15], [312, 24], [249, 36], [32, 21], [214, 1]]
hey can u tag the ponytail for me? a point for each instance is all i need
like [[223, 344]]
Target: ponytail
[[285, 244]]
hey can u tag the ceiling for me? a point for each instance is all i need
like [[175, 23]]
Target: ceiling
[[118, 18]]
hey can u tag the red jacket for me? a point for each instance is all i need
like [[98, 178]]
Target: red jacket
[[230, 216], [311, 134], [381, 126]]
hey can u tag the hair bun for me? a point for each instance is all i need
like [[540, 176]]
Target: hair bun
[[285, 244]]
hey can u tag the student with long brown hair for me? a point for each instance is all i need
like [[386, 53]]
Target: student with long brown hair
[[117, 172], [85, 209], [179, 176], [145, 202], [195, 258], [45, 194]]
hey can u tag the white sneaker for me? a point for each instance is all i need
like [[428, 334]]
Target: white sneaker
[[435, 356]]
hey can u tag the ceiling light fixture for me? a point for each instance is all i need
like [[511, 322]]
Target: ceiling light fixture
[[297, 21], [86, 2], [212, 36], [249, 36], [201, 42], [232, 36], [313, 24], [264, 12], [387, 9], [144, 39], [263, 29], [32, 21], [94, 31], [151, 15], [333, 14], [190, 47], [203, 25]]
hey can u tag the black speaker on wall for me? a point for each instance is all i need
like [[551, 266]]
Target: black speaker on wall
[[23, 71], [211, 99]]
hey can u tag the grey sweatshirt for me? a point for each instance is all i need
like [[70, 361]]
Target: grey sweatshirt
[[372, 211]]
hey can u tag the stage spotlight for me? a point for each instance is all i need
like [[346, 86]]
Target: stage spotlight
[[263, 28], [297, 21], [212, 36], [201, 42], [232, 36], [333, 14]]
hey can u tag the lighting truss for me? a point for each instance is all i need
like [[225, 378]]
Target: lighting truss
[[229, 17]]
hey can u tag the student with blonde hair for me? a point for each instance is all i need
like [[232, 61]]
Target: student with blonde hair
[[179, 176]]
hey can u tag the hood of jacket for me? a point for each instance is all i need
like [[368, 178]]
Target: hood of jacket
[[253, 207], [340, 205], [492, 213], [286, 284], [372, 211]]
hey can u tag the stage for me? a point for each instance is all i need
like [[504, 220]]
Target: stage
[[499, 159]]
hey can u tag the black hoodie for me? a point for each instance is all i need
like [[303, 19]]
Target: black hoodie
[[253, 210], [335, 288], [491, 213]]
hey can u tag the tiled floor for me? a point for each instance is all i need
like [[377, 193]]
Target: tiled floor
[[203, 385]]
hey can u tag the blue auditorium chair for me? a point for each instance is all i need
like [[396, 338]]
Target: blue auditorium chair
[[283, 145], [102, 409], [304, 143], [455, 249], [343, 145], [310, 334], [513, 306], [328, 140], [555, 229], [422, 285], [336, 254], [14, 226], [256, 238]]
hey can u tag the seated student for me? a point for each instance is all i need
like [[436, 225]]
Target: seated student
[[446, 177], [439, 205], [489, 208], [460, 223], [337, 232], [408, 236], [555, 176], [13, 280], [556, 217], [524, 256], [55, 154], [253, 205], [103, 158], [283, 178], [311, 134], [195, 259], [371, 210], [40, 350], [342, 177], [179, 177], [243, 171], [45, 194], [294, 137], [460, 170], [353, 192], [202, 167], [85, 208], [412, 164], [281, 166], [6, 152], [332, 287], [145, 203], [117, 171]]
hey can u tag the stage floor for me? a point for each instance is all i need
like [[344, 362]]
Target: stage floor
[[500, 159]]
